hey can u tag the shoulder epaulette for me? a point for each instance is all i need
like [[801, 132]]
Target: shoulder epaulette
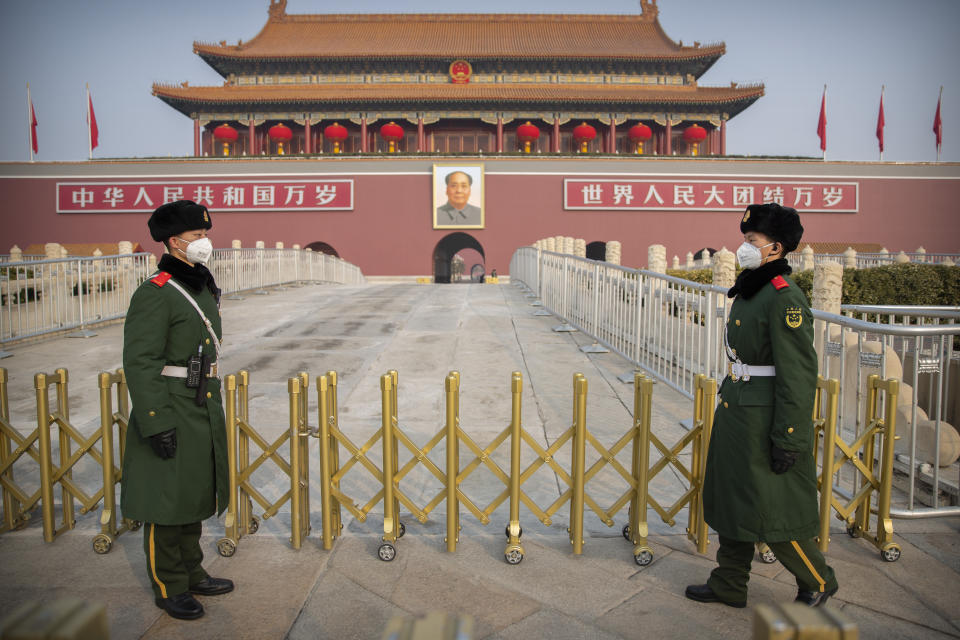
[[161, 278], [779, 283]]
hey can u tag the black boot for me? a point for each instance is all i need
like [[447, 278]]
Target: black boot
[[814, 598], [212, 586], [182, 606], [703, 593]]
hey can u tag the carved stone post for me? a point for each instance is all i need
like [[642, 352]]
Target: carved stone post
[[657, 258], [827, 287], [724, 268], [850, 258], [613, 252], [806, 258]]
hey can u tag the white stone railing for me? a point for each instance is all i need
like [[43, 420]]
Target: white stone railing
[[44, 296], [674, 329]]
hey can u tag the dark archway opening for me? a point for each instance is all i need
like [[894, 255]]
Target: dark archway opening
[[706, 250], [597, 251], [323, 247], [447, 248]]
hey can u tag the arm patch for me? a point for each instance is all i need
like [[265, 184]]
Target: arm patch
[[161, 278], [779, 283]]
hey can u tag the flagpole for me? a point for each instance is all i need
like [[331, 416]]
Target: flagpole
[[882, 88], [89, 132], [824, 111], [29, 123], [939, 106]]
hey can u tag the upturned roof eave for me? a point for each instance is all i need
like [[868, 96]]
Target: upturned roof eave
[[187, 106]]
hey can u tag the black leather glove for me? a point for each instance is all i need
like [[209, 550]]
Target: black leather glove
[[164, 444], [780, 460]]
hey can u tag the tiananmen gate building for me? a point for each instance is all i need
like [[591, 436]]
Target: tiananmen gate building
[[398, 141], [459, 83]]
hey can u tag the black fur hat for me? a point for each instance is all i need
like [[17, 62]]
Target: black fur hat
[[176, 217], [777, 222]]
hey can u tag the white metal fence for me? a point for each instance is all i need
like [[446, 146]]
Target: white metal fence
[[44, 296], [673, 329]]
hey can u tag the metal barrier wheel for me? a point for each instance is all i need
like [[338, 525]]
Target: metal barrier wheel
[[506, 532], [852, 531], [890, 552], [135, 525], [387, 552], [254, 525], [402, 531], [626, 531], [643, 557], [513, 555], [768, 557], [102, 543], [226, 547]]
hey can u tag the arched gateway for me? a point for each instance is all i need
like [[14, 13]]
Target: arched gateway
[[323, 247], [447, 248]]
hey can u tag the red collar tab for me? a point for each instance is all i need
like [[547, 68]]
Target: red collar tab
[[161, 278], [779, 283]]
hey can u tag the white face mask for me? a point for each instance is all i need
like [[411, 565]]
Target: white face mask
[[198, 251], [749, 256]]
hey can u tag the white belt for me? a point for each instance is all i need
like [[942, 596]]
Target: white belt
[[181, 372], [740, 371]]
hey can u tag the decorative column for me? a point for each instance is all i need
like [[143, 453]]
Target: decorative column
[[613, 135], [657, 258], [556, 134], [724, 269], [723, 137], [499, 133], [253, 138], [363, 134], [421, 143], [668, 139], [307, 143], [196, 137], [827, 287]]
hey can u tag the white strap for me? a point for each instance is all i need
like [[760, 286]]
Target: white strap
[[213, 334], [181, 372], [738, 371]]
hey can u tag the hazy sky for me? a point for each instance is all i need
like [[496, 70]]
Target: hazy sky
[[120, 47]]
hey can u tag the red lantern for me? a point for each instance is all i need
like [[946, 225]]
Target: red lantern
[[584, 133], [694, 135], [336, 132], [639, 133], [392, 133], [280, 133], [527, 133], [226, 134]]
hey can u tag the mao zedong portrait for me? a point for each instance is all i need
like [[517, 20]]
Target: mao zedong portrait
[[457, 211]]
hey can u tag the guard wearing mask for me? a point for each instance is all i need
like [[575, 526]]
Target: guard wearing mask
[[175, 462], [761, 482]]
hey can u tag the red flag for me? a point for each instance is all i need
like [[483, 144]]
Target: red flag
[[92, 121], [938, 123], [822, 123], [880, 123], [33, 129]]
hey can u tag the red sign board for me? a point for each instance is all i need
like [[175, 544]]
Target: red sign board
[[708, 195], [218, 195]]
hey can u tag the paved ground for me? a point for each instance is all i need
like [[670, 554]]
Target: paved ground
[[424, 331]]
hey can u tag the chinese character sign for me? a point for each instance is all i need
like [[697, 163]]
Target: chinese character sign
[[228, 195], [708, 195]]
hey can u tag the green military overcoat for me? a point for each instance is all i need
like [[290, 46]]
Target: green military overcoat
[[742, 498], [162, 328]]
